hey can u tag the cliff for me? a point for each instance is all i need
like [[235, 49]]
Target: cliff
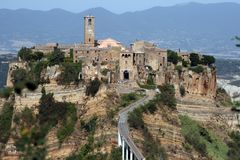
[[198, 85]]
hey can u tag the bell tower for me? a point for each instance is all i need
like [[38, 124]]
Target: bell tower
[[89, 36]]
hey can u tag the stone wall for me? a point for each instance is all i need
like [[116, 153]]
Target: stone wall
[[61, 94]]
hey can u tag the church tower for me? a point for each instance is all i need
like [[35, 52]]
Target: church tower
[[89, 37]]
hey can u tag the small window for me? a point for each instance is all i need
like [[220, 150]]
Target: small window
[[89, 21], [89, 40]]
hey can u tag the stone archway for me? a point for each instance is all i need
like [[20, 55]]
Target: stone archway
[[126, 75]]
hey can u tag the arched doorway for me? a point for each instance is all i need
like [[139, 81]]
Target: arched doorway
[[126, 75]]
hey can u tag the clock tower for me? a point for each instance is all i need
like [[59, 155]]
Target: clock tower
[[89, 37]]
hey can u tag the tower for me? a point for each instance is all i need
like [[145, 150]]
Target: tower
[[89, 37]]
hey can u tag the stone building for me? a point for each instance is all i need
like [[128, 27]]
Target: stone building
[[144, 58]]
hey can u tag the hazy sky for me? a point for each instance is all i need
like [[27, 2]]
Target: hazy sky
[[117, 6]]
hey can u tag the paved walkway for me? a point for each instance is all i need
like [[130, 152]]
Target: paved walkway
[[123, 123]]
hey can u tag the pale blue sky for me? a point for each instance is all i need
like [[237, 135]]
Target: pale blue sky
[[116, 6]]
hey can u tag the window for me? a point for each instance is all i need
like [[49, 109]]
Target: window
[[89, 21]]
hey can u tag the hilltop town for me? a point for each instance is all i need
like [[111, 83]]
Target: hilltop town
[[103, 100]]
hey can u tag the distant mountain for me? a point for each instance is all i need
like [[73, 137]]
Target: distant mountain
[[192, 26]]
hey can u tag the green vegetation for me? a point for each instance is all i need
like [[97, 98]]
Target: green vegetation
[[234, 145], [194, 58], [5, 92], [179, 69], [90, 125], [33, 129], [202, 140], [236, 106], [182, 91], [56, 58], [68, 123], [185, 63], [207, 60], [222, 98], [26, 55], [93, 87], [5, 122], [36, 70], [105, 71], [151, 147], [22, 78], [70, 73], [116, 154], [147, 86], [173, 57], [197, 69], [167, 95]]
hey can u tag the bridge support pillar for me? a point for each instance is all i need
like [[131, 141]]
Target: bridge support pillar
[[131, 155], [127, 150], [119, 140], [123, 150]]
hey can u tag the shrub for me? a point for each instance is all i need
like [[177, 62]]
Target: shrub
[[202, 140], [70, 73], [93, 87], [56, 57], [5, 122], [197, 69], [135, 119], [68, 123], [182, 91], [234, 145], [179, 69], [50, 112], [116, 153], [194, 58], [19, 76], [32, 86], [167, 96], [207, 60], [184, 63], [90, 125], [25, 54], [5, 92], [150, 80], [172, 57]]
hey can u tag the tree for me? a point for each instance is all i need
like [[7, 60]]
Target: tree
[[56, 57], [172, 57], [167, 96], [70, 73], [194, 58], [38, 55], [19, 76], [208, 60], [93, 87], [25, 54], [182, 91]]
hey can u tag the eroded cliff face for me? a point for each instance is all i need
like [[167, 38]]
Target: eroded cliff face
[[202, 84], [87, 107]]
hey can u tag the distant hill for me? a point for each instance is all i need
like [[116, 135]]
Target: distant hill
[[193, 26]]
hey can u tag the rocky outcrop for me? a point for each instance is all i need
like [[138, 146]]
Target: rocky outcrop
[[196, 84]]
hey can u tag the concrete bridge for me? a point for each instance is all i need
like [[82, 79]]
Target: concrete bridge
[[129, 149]]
